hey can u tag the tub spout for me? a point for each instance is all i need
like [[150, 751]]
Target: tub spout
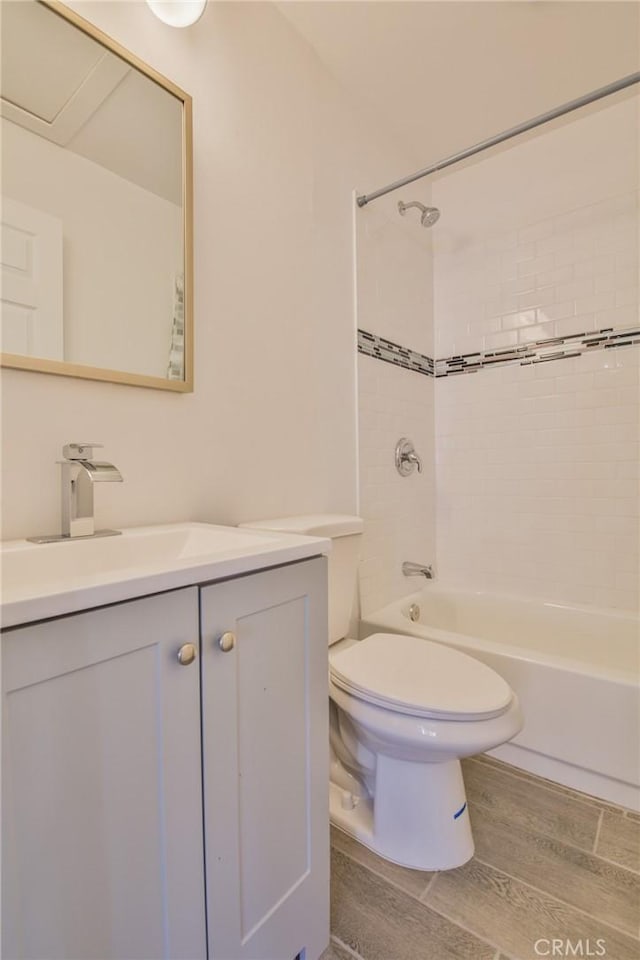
[[410, 569]]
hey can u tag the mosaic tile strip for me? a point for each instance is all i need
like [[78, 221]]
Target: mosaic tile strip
[[556, 348], [381, 349], [541, 351]]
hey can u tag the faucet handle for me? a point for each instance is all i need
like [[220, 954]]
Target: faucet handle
[[406, 457], [80, 451]]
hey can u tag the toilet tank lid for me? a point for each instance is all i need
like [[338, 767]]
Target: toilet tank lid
[[312, 525]]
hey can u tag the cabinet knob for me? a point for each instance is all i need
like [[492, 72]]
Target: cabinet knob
[[187, 654], [227, 642]]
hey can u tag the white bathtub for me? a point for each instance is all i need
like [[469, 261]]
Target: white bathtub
[[575, 669]]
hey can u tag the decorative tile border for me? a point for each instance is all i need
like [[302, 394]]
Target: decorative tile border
[[541, 351], [381, 349]]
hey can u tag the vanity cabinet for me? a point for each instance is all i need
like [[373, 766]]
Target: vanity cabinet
[[150, 803], [265, 748], [102, 845]]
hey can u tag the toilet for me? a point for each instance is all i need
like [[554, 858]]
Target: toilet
[[403, 712]]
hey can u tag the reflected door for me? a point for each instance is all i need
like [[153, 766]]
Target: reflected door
[[31, 319]]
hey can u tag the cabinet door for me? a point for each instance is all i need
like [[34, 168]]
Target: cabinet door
[[102, 809], [265, 749]]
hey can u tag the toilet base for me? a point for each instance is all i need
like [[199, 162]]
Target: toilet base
[[418, 816]]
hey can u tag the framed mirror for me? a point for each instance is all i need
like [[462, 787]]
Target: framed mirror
[[96, 206]]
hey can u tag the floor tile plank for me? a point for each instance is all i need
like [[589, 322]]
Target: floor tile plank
[[380, 922], [580, 879], [587, 798], [619, 840], [514, 915], [411, 881], [531, 805]]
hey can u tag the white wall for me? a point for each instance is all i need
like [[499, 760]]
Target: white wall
[[122, 252], [537, 466], [394, 301], [271, 426]]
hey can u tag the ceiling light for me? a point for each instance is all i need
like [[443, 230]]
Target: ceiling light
[[178, 13]]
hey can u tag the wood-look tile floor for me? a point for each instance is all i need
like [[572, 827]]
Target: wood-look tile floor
[[550, 864]]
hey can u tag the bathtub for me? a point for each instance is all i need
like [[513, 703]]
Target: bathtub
[[575, 670]]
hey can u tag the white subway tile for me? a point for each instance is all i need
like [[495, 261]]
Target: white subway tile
[[539, 298], [517, 286], [625, 414], [628, 298], [595, 302], [618, 241], [576, 252], [523, 251], [575, 383], [595, 267], [540, 331], [624, 278], [597, 398], [574, 290], [494, 341], [522, 318], [551, 368], [501, 306], [618, 317], [556, 311], [538, 388], [584, 323], [536, 265], [558, 275]]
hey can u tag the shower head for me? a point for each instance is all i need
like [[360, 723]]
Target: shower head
[[429, 215]]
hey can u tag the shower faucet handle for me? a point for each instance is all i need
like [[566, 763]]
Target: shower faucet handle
[[406, 458]]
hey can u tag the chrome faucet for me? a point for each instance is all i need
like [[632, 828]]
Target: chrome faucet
[[79, 473], [417, 570], [406, 458]]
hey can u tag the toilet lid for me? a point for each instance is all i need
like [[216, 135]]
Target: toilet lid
[[415, 676]]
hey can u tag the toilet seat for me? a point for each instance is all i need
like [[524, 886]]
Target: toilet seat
[[413, 676]]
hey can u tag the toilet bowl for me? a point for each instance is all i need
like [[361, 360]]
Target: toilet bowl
[[403, 712]]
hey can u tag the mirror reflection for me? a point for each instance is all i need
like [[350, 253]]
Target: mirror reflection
[[93, 219]]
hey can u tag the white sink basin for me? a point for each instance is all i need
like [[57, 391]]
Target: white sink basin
[[48, 579]]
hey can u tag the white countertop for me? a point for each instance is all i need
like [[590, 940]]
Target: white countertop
[[38, 581]]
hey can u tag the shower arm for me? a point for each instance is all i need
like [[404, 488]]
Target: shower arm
[[412, 203]]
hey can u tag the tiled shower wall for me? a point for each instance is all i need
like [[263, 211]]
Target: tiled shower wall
[[398, 511], [573, 273], [538, 479], [537, 464], [394, 301]]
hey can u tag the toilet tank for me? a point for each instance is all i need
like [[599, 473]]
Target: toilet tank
[[345, 533]]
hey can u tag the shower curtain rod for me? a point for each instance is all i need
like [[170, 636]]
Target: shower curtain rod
[[610, 88]]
